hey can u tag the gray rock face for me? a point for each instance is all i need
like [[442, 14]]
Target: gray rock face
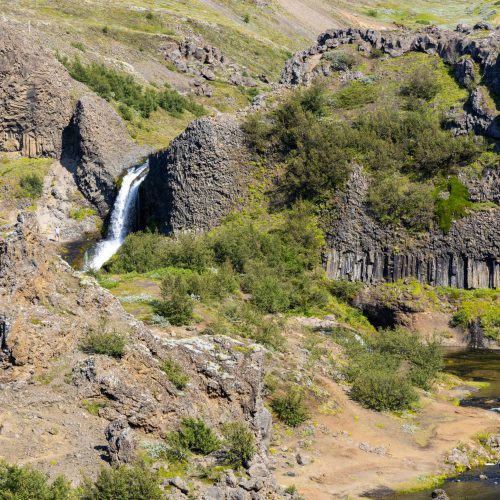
[[98, 143], [121, 443], [361, 249], [35, 100], [482, 116], [38, 117], [194, 183]]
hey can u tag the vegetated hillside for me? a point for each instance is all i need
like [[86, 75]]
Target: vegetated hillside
[[246, 42]]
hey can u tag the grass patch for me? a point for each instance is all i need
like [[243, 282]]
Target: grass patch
[[108, 343], [175, 373]]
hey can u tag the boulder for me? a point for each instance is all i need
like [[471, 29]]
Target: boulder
[[121, 442], [439, 494]]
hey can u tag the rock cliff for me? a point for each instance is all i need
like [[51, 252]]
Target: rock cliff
[[196, 181], [362, 249], [44, 112]]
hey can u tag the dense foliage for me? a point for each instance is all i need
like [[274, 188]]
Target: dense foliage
[[405, 149], [239, 444], [120, 87], [25, 483], [385, 368], [290, 407], [196, 436], [125, 483], [31, 185]]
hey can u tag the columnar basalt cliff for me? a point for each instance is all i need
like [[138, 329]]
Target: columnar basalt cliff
[[44, 112], [457, 48], [195, 182], [362, 249]]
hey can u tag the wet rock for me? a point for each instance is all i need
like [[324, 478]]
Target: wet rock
[[439, 494]]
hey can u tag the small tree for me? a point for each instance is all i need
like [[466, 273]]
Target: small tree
[[196, 436], [124, 483], [239, 443], [177, 305]]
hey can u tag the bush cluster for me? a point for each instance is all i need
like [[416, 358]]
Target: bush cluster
[[120, 87], [109, 343], [386, 368], [125, 483], [290, 407], [239, 444], [196, 436], [31, 185], [278, 265], [405, 149]]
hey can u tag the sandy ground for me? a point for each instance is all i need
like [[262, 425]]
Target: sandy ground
[[359, 450]]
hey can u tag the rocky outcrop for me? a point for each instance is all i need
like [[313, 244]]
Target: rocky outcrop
[[197, 180], [44, 112], [46, 310], [462, 49], [121, 442], [362, 249], [35, 96], [99, 149]]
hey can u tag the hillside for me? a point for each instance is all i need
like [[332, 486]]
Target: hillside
[[302, 202]]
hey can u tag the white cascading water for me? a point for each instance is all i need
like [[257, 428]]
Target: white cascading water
[[122, 218]]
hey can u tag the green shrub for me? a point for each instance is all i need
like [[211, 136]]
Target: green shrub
[[121, 87], [383, 390], [124, 483], [395, 199], [103, 342], [25, 483], [196, 436], [454, 206], [354, 95], [290, 408], [31, 185], [340, 60], [424, 359], [176, 305], [175, 373], [245, 320], [345, 290], [421, 84], [239, 444]]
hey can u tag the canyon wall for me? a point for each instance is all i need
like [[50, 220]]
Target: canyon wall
[[196, 181], [44, 112], [365, 250]]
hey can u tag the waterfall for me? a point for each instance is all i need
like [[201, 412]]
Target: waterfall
[[122, 219]]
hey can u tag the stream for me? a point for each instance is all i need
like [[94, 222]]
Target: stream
[[480, 365]]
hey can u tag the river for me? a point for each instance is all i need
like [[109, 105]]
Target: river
[[480, 365]]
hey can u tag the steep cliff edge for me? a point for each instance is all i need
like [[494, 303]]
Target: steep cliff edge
[[362, 249], [44, 112], [196, 181]]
